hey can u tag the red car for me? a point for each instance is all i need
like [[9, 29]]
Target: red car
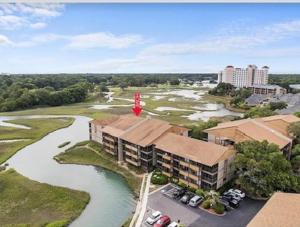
[[163, 221]]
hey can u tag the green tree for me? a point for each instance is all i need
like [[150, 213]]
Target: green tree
[[278, 105], [294, 129], [196, 131], [258, 111], [123, 85], [262, 169], [222, 89], [103, 88], [174, 82]]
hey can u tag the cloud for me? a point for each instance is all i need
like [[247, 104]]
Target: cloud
[[15, 16], [37, 10], [103, 39], [38, 25], [84, 41], [4, 40], [233, 42], [10, 22]]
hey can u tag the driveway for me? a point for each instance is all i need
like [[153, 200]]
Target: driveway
[[195, 217]]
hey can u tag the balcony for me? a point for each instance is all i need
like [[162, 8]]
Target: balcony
[[130, 147], [109, 138], [184, 173], [184, 163], [183, 181], [166, 165], [167, 157], [108, 145], [132, 155], [132, 162], [193, 185], [195, 168], [167, 174], [193, 177], [110, 151]]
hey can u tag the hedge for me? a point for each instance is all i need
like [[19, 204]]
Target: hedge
[[219, 208], [159, 179], [206, 204], [200, 192]]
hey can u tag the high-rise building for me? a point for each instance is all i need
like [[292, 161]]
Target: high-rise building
[[247, 77]]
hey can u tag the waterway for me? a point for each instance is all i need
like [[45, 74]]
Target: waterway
[[112, 201]]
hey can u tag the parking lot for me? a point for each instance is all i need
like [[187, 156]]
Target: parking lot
[[196, 217]]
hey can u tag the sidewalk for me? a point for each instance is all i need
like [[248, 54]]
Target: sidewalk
[[142, 203]]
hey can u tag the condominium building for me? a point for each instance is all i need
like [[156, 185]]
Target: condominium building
[[272, 129], [194, 162], [131, 139], [239, 77], [147, 143], [262, 89]]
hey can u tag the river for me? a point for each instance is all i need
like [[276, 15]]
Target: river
[[112, 201]]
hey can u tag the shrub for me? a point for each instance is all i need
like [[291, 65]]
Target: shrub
[[200, 192], [174, 180], [159, 179], [206, 204], [192, 189], [181, 184], [219, 208]]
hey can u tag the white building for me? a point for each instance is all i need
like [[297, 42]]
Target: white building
[[247, 77]]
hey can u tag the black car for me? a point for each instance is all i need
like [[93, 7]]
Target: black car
[[225, 204], [179, 193], [234, 203], [186, 198]]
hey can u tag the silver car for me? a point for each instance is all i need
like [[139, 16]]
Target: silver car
[[154, 217]]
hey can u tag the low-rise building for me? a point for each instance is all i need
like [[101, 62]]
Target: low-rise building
[[267, 89], [194, 162], [282, 209], [147, 143], [272, 129]]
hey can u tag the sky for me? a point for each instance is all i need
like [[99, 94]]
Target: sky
[[148, 38]]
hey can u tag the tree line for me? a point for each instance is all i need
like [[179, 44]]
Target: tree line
[[19, 92]]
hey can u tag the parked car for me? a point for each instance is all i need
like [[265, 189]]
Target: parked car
[[186, 198], [234, 203], [237, 192], [225, 203], [173, 224], [232, 196], [154, 217], [195, 201], [163, 221], [179, 193]]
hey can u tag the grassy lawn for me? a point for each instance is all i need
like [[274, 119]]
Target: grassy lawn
[[90, 153], [29, 203], [39, 128]]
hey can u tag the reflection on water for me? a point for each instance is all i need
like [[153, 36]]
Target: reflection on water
[[111, 199]]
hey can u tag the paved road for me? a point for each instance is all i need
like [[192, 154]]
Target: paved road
[[195, 217]]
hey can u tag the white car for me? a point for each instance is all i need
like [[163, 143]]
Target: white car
[[237, 192], [173, 224], [154, 217]]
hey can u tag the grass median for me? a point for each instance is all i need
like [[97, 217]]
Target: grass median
[[29, 203], [91, 153]]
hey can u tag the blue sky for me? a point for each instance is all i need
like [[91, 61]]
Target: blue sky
[[116, 38]]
